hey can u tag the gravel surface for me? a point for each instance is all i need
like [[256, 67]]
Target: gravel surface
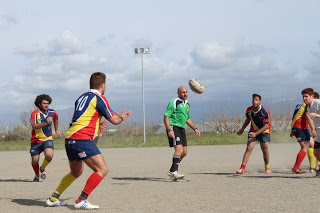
[[137, 182]]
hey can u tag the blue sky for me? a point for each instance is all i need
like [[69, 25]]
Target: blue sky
[[235, 48]]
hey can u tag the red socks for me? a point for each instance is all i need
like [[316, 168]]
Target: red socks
[[36, 168], [299, 160], [92, 182], [243, 166]]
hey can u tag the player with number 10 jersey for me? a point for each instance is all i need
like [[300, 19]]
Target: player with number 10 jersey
[[89, 108]]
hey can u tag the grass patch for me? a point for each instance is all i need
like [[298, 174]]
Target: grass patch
[[114, 141]]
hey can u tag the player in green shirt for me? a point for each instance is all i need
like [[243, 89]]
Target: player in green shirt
[[175, 119]]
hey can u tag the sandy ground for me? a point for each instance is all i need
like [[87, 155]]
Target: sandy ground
[[137, 182]]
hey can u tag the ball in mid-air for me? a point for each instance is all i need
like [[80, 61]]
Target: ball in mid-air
[[196, 86]]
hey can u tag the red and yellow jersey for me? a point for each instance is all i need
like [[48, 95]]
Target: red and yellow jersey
[[299, 119], [89, 108], [259, 119], [44, 133]]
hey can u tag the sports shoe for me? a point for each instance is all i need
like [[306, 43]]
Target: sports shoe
[[240, 171], [267, 170], [55, 203], [297, 171], [36, 179], [175, 175], [85, 205], [312, 170], [317, 167], [318, 173], [43, 174]]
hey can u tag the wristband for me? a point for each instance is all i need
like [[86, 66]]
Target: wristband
[[195, 128], [120, 117], [169, 130]]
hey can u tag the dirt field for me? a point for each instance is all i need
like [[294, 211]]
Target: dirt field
[[137, 182]]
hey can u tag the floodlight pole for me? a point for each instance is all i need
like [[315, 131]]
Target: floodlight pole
[[143, 51], [143, 106]]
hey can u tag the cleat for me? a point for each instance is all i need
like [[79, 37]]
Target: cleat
[[181, 176], [85, 205], [297, 171], [175, 175], [240, 171], [36, 179], [317, 167], [267, 170], [318, 173], [55, 203], [43, 174], [312, 170]]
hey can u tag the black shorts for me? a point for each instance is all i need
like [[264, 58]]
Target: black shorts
[[316, 145], [179, 137]]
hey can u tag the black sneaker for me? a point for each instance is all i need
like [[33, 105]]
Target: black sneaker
[[318, 173], [36, 179]]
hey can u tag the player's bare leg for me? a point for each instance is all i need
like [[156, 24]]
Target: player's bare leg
[[265, 151], [184, 152], [250, 146], [48, 155]]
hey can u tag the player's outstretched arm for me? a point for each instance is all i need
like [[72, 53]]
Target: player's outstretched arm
[[245, 124], [192, 126], [118, 118]]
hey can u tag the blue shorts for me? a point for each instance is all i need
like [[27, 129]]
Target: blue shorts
[[301, 134], [80, 149], [263, 137], [37, 148]]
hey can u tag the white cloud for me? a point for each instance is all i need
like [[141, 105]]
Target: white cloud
[[49, 69], [212, 55], [66, 44], [7, 20]]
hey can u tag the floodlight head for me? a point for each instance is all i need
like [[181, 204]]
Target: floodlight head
[[136, 50], [141, 50], [147, 50]]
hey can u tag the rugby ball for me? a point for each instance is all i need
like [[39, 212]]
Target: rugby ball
[[196, 86]]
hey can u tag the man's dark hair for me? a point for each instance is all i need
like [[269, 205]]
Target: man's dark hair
[[97, 79], [256, 95], [316, 95], [40, 98]]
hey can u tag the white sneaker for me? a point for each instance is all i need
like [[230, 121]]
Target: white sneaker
[[85, 205], [175, 175], [56, 203]]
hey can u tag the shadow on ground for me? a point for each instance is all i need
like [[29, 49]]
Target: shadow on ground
[[15, 180], [141, 179], [29, 202], [254, 176]]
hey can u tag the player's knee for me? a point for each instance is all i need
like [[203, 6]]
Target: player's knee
[[105, 171], [34, 161], [183, 154], [49, 158]]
